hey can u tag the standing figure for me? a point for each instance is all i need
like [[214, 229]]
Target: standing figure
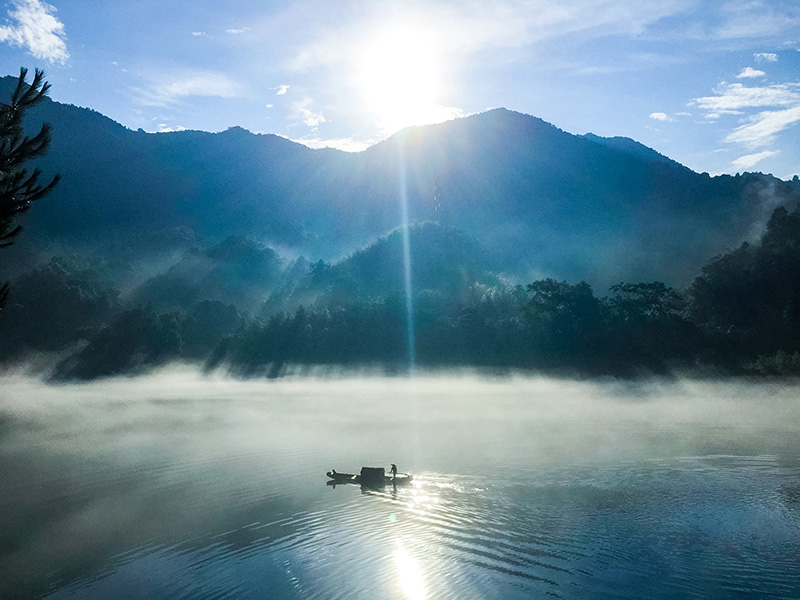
[[394, 471]]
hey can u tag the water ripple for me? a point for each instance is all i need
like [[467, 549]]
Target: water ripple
[[226, 498]]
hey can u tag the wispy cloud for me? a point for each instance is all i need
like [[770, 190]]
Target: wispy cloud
[[199, 33], [750, 160], [281, 89], [309, 117], [766, 57], [466, 27], [32, 24], [750, 73], [778, 107], [753, 19], [761, 129], [168, 89], [660, 116], [731, 98], [237, 31]]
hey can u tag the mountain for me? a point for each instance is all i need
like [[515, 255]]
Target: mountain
[[236, 271], [573, 207], [538, 200], [444, 263]]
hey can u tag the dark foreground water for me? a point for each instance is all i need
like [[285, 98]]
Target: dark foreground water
[[175, 486]]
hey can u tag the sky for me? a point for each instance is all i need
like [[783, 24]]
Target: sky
[[713, 84]]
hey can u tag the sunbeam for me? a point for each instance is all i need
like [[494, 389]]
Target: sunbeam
[[403, 188]]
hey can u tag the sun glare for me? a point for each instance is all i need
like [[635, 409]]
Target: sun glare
[[409, 574], [399, 78]]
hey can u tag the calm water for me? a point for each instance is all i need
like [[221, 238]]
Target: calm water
[[175, 486]]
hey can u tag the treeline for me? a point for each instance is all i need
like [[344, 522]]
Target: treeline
[[741, 314]]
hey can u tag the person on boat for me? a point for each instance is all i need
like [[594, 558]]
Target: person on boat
[[393, 471]]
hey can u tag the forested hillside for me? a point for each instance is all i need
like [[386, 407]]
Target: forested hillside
[[526, 247]]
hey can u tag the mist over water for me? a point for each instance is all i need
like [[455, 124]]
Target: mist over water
[[176, 485]]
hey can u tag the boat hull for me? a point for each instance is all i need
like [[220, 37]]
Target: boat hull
[[344, 478]]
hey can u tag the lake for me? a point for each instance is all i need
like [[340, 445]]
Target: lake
[[180, 486]]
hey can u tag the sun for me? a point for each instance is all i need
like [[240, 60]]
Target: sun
[[399, 78]]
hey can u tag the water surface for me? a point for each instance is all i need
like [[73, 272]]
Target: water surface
[[178, 486]]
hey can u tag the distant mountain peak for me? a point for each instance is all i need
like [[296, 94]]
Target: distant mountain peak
[[237, 131]]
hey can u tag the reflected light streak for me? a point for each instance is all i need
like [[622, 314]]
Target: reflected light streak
[[412, 358], [410, 575]]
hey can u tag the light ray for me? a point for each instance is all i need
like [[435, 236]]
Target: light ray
[[403, 189]]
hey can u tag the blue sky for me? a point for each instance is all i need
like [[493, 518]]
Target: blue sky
[[712, 84]]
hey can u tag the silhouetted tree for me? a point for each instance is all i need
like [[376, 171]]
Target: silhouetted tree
[[206, 324], [57, 304], [136, 340], [647, 325], [748, 300], [656, 301], [565, 320], [18, 187]]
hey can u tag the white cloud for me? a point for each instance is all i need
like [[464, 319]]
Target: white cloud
[[199, 33], [237, 31], [345, 144], [766, 56], [170, 89], [732, 97], [761, 129], [34, 25], [164, 128], [309, 117], [750, 160], [660, 116], [750, 73], [282, 89], [768, 111]]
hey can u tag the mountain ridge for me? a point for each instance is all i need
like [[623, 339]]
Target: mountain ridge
[[540, 200]]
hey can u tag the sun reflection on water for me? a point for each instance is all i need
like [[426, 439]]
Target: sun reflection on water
[[409, 573]]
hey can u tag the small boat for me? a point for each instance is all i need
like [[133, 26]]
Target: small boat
[[343, 477], [370, 477]]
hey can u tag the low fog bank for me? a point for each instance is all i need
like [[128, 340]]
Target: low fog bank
[[446, 423], [459, 395]]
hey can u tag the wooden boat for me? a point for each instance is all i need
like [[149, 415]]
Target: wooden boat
[[343, 477], [369, 476]]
